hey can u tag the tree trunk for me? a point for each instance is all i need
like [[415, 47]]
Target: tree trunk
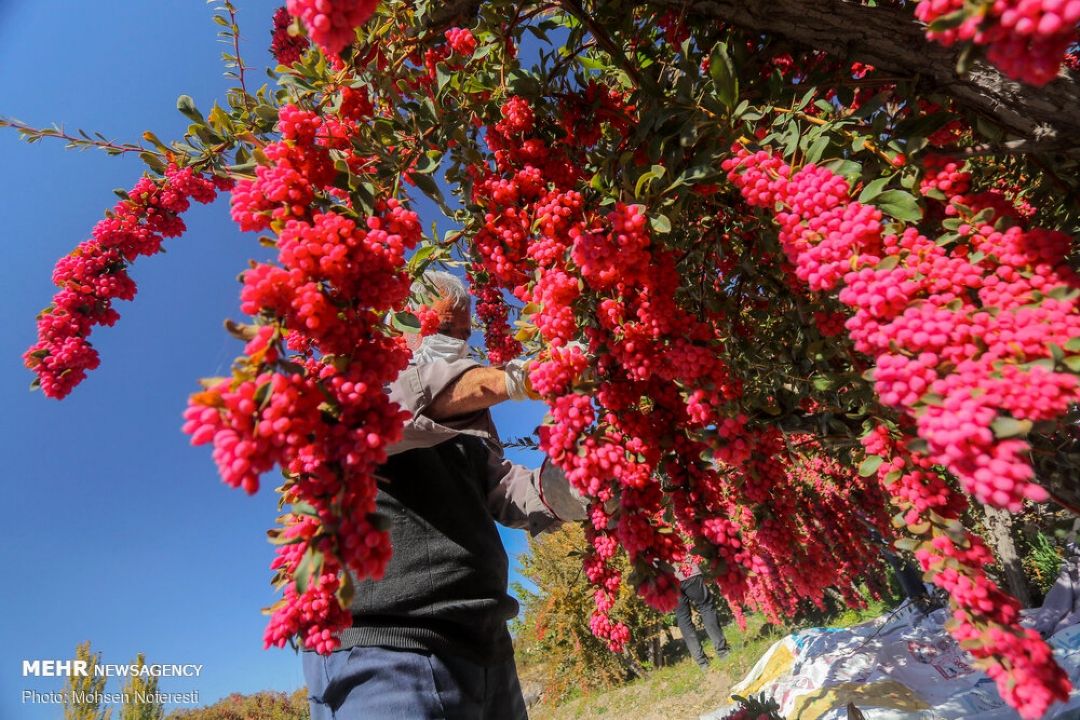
[[999, 523]]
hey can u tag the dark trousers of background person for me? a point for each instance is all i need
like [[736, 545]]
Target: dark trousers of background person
[[693, 590]]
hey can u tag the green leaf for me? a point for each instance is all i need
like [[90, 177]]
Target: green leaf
[[1073, 345], [919, 528], [428, 162], [1062, 292], [806, 98], [844, 168], [792, 140], [654, 173], [186, 105], [484, 50], [1007, 427], [722, 72], [900, 205], [346, 591], [947, 21], [442, 76], [262, 395], [429, 188], [870, 465], [660, 223], [420, 258], [590, 63], [691, 176], [276, 537], [907, 544], [405, 321], [873, 189], [918, 445], [303, 508], [154, 162], [310, 566], [817, 149]]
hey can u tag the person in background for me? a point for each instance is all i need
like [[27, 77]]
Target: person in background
[[429, 640], [693, 590]]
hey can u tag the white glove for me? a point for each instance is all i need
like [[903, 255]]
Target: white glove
[[517, 380]]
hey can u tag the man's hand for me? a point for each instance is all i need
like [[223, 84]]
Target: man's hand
[[518, 386]]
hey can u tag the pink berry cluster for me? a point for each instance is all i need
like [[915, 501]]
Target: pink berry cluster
[[308, 393], [984, 617], [331, 24], [286, 48], [962, 333], [638, 397], [952, 331], [1027, 39], [493, 313], [95, 274], [461, 41]]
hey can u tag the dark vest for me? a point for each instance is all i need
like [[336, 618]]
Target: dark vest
[[445, 587]]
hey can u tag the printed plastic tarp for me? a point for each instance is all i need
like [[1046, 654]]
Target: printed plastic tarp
[[905, 666]]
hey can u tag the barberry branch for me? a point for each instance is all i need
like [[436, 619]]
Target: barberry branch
[[81, 142]]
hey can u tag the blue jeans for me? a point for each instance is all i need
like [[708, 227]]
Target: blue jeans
[[372, 683]]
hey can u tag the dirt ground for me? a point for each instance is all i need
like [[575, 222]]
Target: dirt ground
[[684, 693]]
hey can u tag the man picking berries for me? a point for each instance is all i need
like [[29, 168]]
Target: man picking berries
[[429, 640]]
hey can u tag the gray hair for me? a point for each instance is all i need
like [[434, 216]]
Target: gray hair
[[446, 286]]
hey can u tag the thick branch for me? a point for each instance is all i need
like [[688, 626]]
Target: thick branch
[[890, 39]]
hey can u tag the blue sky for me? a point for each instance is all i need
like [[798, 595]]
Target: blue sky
[[116, 530]]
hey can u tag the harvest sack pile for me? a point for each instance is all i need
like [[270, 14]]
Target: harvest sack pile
[[905, 666]]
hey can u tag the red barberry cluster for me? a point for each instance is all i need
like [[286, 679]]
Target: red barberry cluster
[[493, 312], [331, 24], [984, 618], [308, 394], [461, 41], [660, 397], [96, 273], [285, 47], [955, 330], [958, 363]]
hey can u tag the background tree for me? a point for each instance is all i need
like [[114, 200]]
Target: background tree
[[266, 705], [553, 641], [82, 693], [140, 691]]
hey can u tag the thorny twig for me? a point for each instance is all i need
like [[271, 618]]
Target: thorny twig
[[82, 142]]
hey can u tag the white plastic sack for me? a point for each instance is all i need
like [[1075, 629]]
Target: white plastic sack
[[902, 666]]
